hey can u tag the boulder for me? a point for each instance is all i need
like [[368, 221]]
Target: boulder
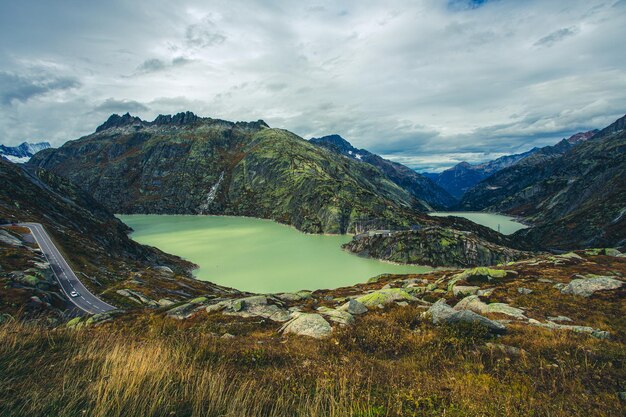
[[460, 290], [473, 303], [585, 287], [256, 306], [305, 324], [338, 316], [354, 307], [385, 296], [524, 291], [440, 312]]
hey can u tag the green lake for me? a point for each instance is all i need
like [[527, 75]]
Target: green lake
[[258, 255], [506, 224]]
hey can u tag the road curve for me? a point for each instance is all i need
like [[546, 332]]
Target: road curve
[[68, 281]]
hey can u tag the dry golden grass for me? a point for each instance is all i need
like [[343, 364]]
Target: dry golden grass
[[389, 364]]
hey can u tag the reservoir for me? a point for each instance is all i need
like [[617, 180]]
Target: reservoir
[[508, 225], [258, 255]]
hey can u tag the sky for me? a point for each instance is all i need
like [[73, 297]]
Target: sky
[[427, 83]]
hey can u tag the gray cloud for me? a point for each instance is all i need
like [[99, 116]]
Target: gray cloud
[[14, 87], [426, 82], [112, 105], [556, 36], [204, 34], [155, 64]]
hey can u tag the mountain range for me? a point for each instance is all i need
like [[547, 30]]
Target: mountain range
[[463, 176], [185, 164], [22, 153]]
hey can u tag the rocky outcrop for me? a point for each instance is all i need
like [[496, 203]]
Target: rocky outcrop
[[587, 286], [434, 246]]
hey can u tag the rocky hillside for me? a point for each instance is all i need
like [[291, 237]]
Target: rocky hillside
[[429, 194], [94, 242], [23, 152], [185, 164], [434, 246], [573, 195]]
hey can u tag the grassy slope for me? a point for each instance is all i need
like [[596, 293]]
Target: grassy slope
[[390, 363]]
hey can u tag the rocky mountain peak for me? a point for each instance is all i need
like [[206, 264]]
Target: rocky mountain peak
[[582, 136], [334, 141], [182, 118], [115, 120]]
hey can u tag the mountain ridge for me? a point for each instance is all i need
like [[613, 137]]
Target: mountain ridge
[[418, 185]]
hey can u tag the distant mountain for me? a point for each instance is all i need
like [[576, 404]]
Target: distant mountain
[[416, 184], [185, 164], [23, 152], [463, 176], [574, 195]]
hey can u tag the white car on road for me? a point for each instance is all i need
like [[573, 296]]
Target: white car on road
[[74, 294]]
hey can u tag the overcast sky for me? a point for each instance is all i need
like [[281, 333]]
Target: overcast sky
[[427, 83]]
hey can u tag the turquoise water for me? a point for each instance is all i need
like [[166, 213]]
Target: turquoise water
[[258, 255], [507, 224]]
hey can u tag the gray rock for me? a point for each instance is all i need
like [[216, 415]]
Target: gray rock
[[385, 296], [585, 287], [506, 349], [227, 336], [473, 303], [165, 302], [524, 291], [256, 306], [440, 312], [559, 318], [338, 316], [599, 334], [288, 296], [354, 307], [165, 269], [184, 311], [458, 290], [312, 325]]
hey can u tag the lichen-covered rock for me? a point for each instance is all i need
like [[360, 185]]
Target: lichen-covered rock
[[585, 287], [255, 306], [354, 307], [480, 274], [338, 316], [305, 324], [459, 290], [474, 304], [137, 297], [440, 312], [385, 296]]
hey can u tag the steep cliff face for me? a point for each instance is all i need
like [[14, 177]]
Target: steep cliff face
[[434, 246], [185, 164], [429, 194], [574, 198]]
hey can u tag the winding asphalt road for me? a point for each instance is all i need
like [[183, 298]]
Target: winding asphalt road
[[68, 281]]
